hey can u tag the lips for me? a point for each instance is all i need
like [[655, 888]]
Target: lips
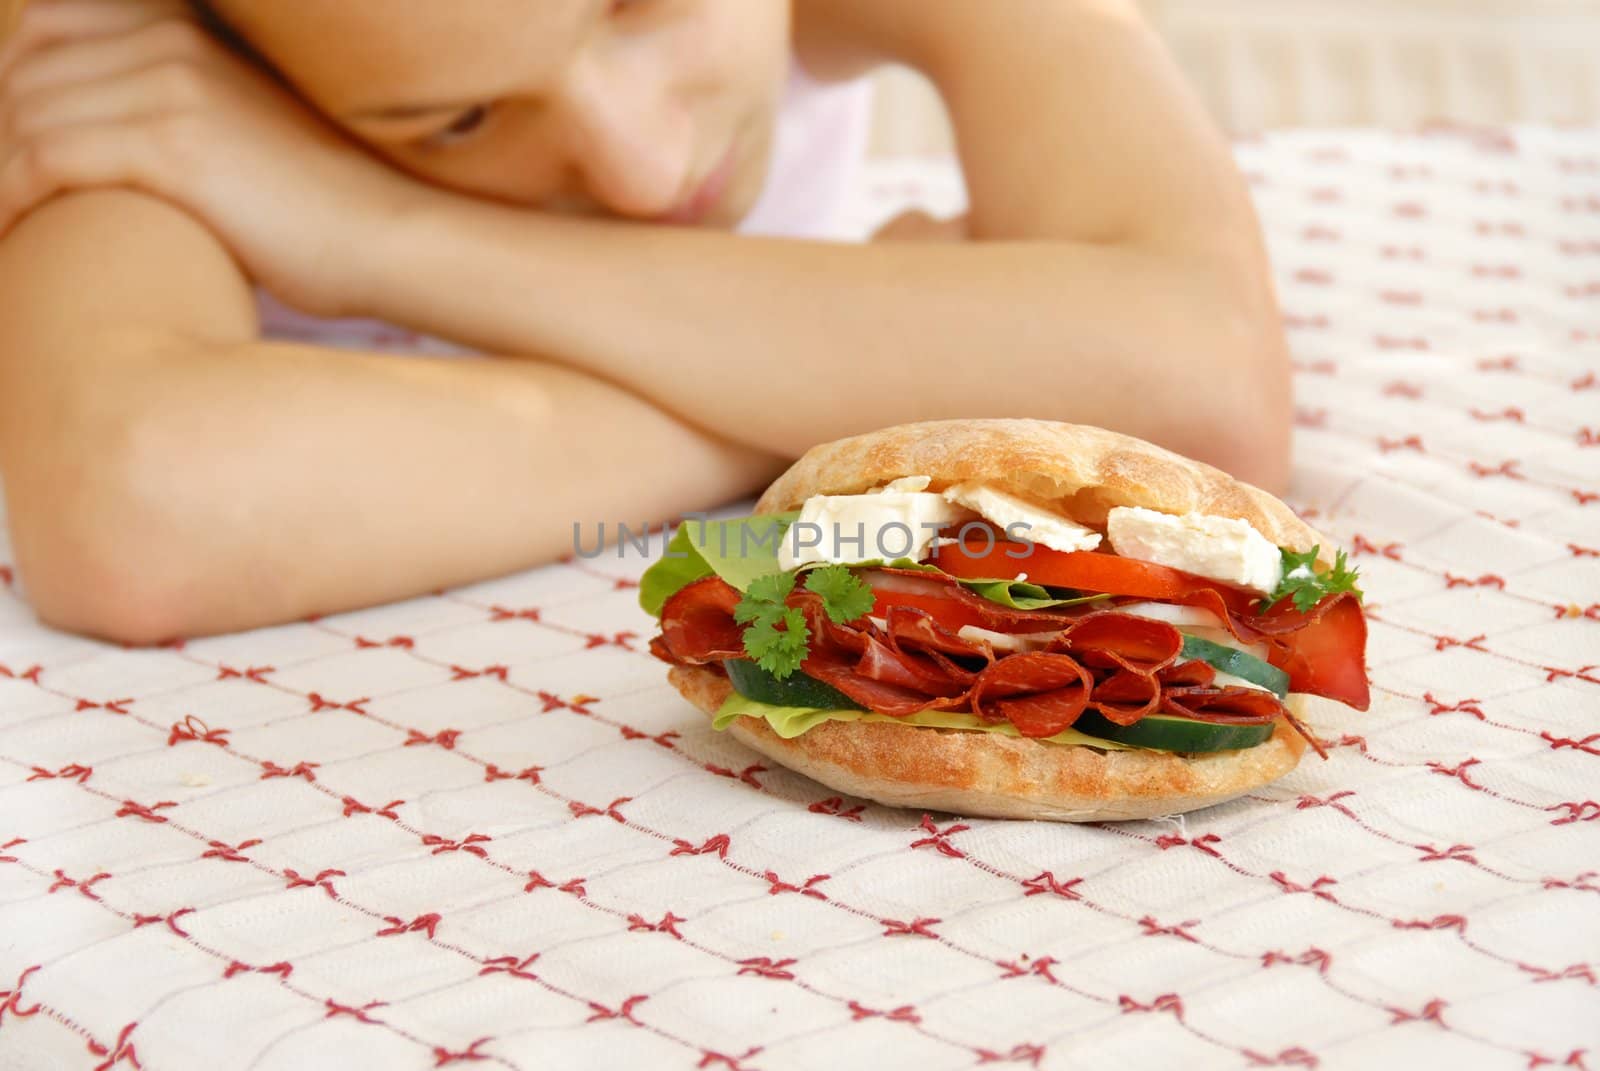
[[700, 203]]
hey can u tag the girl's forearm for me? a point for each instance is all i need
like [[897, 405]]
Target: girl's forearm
[[262, 482], [780, 344]]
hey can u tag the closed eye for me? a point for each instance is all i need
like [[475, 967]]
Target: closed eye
[[463, 126]]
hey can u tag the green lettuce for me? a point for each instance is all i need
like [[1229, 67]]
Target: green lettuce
[[739, 550], [675, 570], [1022, 595], [790, 722]]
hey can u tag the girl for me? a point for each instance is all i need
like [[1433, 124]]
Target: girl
[[552, 183]]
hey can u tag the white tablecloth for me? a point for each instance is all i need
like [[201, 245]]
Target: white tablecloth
[[479, 828]]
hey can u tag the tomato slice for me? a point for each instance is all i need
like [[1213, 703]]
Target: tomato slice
[[947, 611], [952, 605], [1086, 570]]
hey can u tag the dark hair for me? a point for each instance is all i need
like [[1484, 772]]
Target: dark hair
[[206, 14]]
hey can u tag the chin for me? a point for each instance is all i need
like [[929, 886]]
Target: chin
[[745, 190]]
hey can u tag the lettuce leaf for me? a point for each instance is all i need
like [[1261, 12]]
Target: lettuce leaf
[[1022, 595], [675, 570], [739, 550], [790, 722]]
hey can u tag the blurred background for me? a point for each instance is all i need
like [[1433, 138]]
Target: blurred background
[[1263, 64]]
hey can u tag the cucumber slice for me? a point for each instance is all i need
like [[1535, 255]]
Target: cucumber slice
[[795, 690], [1167, 733], [1240, 664]]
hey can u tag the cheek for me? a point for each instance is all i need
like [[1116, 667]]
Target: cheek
[[507, 168], [754, 70]]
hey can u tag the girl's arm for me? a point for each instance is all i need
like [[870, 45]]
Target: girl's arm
[[167, 475], [1116, 275], [780, 344]]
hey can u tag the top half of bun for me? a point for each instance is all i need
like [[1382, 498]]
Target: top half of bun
[[1079, 471]]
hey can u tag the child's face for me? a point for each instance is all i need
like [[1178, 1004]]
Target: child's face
[[649, 109]]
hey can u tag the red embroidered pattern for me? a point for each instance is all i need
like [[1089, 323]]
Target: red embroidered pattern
[[494, 787]]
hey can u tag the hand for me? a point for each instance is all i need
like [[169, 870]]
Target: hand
[[137, 93], [916, 225]]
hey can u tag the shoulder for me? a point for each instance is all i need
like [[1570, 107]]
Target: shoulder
[[842, 39]]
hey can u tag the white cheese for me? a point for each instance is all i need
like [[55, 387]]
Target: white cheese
[[1032, 524], [1218, 548], [1008, 641], [878, 524]]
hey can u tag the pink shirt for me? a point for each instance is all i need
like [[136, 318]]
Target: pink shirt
[[820, 142]]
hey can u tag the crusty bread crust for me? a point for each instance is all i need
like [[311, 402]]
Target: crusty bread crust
[[1077, 470], [999, 776]]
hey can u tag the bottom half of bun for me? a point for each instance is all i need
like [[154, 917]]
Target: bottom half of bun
[[998, 776]]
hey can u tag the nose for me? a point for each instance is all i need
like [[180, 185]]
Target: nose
[[628, 139]]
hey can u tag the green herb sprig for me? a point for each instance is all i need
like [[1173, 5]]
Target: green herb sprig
[[1307, 587], [764, 608]]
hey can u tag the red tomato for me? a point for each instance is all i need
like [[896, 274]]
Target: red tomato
[[947, 610], [1085, 570]]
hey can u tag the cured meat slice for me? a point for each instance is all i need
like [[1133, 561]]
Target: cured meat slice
[[1125, 697], [697, 624], [1109, 639], [1228, 705], [1039, 692]]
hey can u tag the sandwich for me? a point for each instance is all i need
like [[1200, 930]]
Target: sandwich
[[1013, 618]]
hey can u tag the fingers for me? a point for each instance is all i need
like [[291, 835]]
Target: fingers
[[169, 88], [46, 23], [75, 157], [146, 77], [86, 59]]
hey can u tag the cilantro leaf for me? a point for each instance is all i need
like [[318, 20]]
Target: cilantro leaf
[[778, 651], [762, 609], [763, 593], [776, 634], [844, 596], [1307, 587]]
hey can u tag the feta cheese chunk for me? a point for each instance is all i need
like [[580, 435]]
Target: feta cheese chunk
[[1033, 524], [1218, 548], [878, 524]]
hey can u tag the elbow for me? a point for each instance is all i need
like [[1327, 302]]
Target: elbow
[[79, 534], [1255, 443], [1244, 426], [85, 591], [1239, 394]]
